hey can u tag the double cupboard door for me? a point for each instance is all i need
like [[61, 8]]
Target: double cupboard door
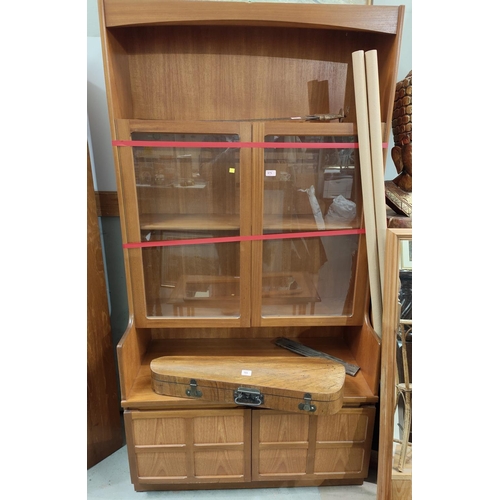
[[245, 445], [242, 223]]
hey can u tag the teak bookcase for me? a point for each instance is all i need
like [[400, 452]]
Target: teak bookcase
[[221, 198]]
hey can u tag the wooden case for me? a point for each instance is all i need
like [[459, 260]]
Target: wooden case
[[295, 384]]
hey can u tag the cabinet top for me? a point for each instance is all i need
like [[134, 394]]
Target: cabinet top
[[370, 18]]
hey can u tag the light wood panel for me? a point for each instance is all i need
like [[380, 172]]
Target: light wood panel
[[300, 446], [402, 481], [390, 322], [190, 446]]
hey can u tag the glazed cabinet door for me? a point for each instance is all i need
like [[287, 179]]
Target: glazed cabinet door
[[187, 193], [188, 446], [309, 265], [295, 446], [223, 231]]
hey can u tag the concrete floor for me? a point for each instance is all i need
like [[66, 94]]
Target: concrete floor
[[110, 480]]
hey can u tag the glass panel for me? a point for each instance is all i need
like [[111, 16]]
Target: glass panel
[[187, 193], [310, 189]]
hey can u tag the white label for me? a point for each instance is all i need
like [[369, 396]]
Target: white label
[[246, 373], [270, 173]]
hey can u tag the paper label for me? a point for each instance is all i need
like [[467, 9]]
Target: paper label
[[270, 173], [246, 373]]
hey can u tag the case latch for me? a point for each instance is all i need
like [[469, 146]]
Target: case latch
[[193, 389], [306, 405], [247, 396]]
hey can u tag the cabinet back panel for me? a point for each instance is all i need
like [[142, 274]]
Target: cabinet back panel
[[193, 73]]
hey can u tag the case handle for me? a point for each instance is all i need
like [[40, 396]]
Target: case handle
[[249, 397]]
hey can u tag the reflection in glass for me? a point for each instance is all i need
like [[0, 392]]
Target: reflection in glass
[[185, 193], [310, 189], [194, 192]]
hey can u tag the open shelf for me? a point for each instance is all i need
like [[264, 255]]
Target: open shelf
[[142, 396]]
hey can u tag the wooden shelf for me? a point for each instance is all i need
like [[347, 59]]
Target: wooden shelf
[[300, 223], [190, 222], [356, 390], [216, 222]]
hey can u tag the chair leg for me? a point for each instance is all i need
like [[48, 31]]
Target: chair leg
[[406, 430]]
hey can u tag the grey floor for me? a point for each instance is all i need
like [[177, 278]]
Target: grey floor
[[110, 480]]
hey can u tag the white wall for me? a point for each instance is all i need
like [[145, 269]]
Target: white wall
[[97, 114], [104, 173]]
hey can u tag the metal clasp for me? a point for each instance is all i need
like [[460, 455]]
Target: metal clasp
[[193, 390], [306, 405], [248, 396]]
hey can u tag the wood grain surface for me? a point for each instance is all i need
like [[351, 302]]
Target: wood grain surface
[[283, 381], [104, 428]]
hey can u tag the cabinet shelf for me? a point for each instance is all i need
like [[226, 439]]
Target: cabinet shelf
[[217, 222], [189, 222], [141, 396]]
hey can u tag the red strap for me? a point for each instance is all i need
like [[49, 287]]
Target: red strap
[[270, 145], [231, 239]]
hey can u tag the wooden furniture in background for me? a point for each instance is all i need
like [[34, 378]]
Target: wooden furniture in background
[[104, 426], [391, 482], [180, 75], [107, 204]]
